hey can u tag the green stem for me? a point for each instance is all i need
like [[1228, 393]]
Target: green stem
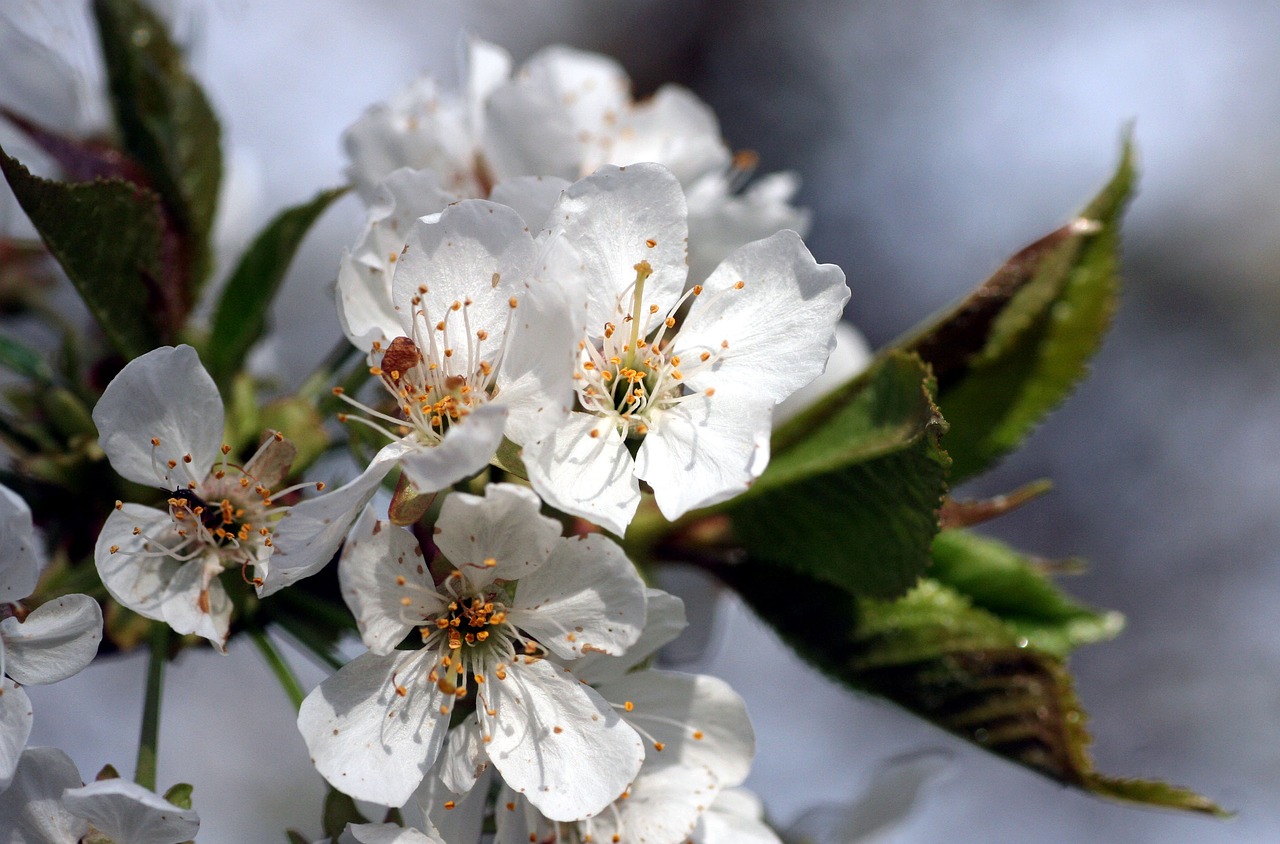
[[305, 637], [149, 740], [275, 661]]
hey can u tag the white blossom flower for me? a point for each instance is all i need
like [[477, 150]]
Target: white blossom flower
[[564, 114], [681, 401], [52, 642], [478, 348], [160, 423], [518, 593], [735, 817], [48, 804]]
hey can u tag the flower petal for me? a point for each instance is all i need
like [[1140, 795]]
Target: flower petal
[[15, 727], [736, 817], [382, 566], [32, 806], [721, 219], [675, 129], [464, 758], [558, 742], [699, 720], [456, 818], [536, 375], [663, 805], [591, 477], [532, 197], [19, 566], [664, 621], [607, 222], [850, 357], [488, 67], [367, 740], [125, 811], [389, 833], [506, 527], [309, 533], [774, 334], [468, 446], [164, 395], [587, 598], [705, 450], [136, 574], [55, 641], [196, 602]]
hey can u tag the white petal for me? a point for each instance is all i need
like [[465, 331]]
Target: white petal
[[607, 221], [552, 118], [675, 129], [19, 566], [664, 621], [518, 822], [700, 720], [32, 806], [196, 602], [488, 67], [705, 450], [167, 395], [736, 817], [15, 727], [505, 526], [536, 375], [467, 447], [779, 326], [464, 758], [381, 566], [558, 742], [135, 576], [587, 598], [54, 642], [721, 220], [309, 533], [365, 308], [591, 477], [531, 196], [847, 361], [367, 740], [387, 833], [126, 811], [663, 806], [460, 824]]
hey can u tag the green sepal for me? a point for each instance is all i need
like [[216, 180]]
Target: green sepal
[[180, 795], [241, 313], [1000, 580], [108, 237], [852, 492], [166, 124], [1015, 348]]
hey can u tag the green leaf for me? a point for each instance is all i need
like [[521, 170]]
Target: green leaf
[[242, 311], [165, 120], [339, 810], [852, 492], [936, 654], [1015, 348], [108, 237], [180, 795], [25, 361], [295, 837], [1007, 584]]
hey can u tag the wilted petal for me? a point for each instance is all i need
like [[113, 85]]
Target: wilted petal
[[364, 737], [32, 807], [19, 567], [506, 527], [587, 598], [15, 727], [125, 811], [55, 641], [164, 395], [591, 477], [558, 742]]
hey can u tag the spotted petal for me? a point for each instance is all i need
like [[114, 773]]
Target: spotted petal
[[664, 621], [506, 527]]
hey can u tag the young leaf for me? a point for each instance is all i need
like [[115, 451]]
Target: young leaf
[[339, 810], [109, 237], [165, 120], [1001, 581], [25, 361], [242, 311], [936, 654], [852, 492], [1015, 348]]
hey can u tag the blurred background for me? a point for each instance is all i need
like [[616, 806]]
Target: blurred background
[[933, 140]]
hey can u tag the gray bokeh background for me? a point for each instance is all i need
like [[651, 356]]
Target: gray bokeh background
[[934, 139]]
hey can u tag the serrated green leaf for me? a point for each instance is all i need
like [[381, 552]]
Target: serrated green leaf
[[339, 810], [852, 492], [180, 795], [1015, 348], [166, 122], [242, 310], [108, 237], [998, 579], [937, 655]]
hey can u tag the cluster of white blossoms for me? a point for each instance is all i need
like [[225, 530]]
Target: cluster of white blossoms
[[570, 286]]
